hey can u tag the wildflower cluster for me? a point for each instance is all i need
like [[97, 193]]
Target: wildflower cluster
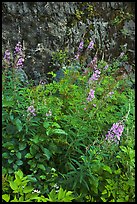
[[95, 76], [115, 132], [19, 54], [31, 110], [80, 48], [93, 63], [90, 95]]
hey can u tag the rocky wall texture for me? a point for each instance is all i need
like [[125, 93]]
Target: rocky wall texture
[[45, 27]]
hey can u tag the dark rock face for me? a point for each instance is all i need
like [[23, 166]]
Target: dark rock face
[[45, 27]]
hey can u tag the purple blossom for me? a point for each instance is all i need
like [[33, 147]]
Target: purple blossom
[[81, 45], [93, 63], [90, 95], [18, 48], [106, 67], [91, 45], [20, 62], [31, 110], [115, 132], [19, 54], [95, 76]]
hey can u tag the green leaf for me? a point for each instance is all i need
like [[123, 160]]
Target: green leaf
[[13, 185], [35, 139], [15, 167], [19, 173], [21, 199], [18, 124], [104, 192], [104, 199], [46, 124], [8, 101], [6, 197], [52, 196], [22, 146], [28, 189], [107, 168], [15, 199], [28, 155], [34, 149], [123, 148], [19, 162], [18, 155], [41, 166], [47, 153], [10, 161], [54, 124], [59, 131], [31, 196], [8, 145], [61, 194], [5, 155]]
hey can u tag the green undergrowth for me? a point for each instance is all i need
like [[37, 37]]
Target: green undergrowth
[[54, 145]]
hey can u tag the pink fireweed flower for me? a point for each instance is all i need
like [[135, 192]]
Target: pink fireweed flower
[[18, 48], [80, 48], [91, 45], [19, 54], [31, 110], [95, 76], [93, 63], [81, 45], [115, 132], [20, 62], [90, 95]]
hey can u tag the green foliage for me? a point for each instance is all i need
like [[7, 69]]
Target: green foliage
[[22, 191], [60, 58], [64, 143]]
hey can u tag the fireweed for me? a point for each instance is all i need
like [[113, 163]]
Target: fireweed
[[18, 53], [80, 48], [18, 57], [95, 76], [115, 132], [31, 110], [90, 95]]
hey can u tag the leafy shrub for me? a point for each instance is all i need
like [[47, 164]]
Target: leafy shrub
[[23, 192]]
